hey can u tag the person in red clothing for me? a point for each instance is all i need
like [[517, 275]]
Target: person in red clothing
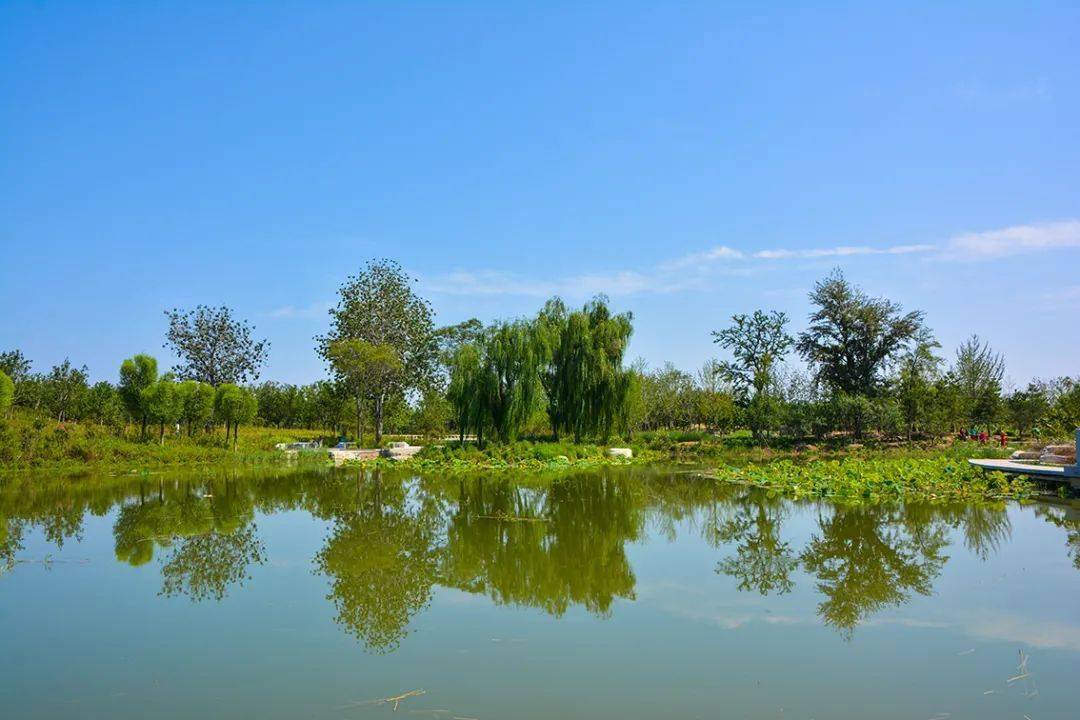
[[1003, 438]]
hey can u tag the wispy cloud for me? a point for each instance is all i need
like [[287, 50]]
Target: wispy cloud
[[842, 252], [701, 270], [1015, 240]]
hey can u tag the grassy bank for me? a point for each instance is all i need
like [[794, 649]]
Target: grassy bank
[[841, 470], [33, 442]]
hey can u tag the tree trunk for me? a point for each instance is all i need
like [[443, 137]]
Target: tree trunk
[[235, 434], [378, 419], [359, 429], [161, 436]]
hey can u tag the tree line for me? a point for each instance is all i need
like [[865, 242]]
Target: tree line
[[867, 367]]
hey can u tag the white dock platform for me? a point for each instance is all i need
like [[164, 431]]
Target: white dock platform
[[1068, 474]]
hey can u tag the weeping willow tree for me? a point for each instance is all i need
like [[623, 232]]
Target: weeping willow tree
[[572, 361], [586, 379], [466, 393], [510, 381]]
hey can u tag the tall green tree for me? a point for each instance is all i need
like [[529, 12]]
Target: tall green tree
[[367, 371], [580, 367], [64, 389], [510, 382], [103, 406], [214, 347], [162, 404], [17, 367], [466, 391], [1027, 408], [136, 374], [7, 392], [919, 370], [978, 372], [379, 307], [234, 405], [852, 337], [758, 344], [196, 401]]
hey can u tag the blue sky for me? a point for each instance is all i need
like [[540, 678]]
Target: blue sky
[[691, 160]]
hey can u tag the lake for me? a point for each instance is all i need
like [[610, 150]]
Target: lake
[[615, 593]]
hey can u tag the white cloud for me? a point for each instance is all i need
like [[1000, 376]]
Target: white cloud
[[720, 252], [1015, 240], [699, 270], [842, 251], [1038, 632]]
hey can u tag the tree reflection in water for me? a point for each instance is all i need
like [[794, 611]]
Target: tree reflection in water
[[1068, 519], [762, 561], [209, 530], [868, 558], [381, 561], [537, 542], [549, 548]]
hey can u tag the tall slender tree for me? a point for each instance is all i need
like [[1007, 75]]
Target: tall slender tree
[[136, 374], [379, 307], [758, 344]]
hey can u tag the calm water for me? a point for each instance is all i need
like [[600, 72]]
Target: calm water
[[613, 594]]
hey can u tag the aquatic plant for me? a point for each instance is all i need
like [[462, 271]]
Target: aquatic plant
[[867, 480]]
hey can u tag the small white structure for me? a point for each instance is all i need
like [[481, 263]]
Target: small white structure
[[620, 452], [398, 450]]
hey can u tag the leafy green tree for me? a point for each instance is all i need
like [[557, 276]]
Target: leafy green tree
[[1027, 408], [451, 338], [234, 405], [196, 403], [1064, 415], [633, 413], [978, 372], [919, 369], [136, 374], [102, 405], [668, 397], [17, 367], [580, 366], [510, 382], [7, 392], [852, 337], [466, 393], [367, 371], [432, 415], [64, 390], [378, 306], [162, 404], [758, 344], [214, 347]]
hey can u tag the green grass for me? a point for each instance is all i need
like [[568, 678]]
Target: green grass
[[840, 470], [34, 442]]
